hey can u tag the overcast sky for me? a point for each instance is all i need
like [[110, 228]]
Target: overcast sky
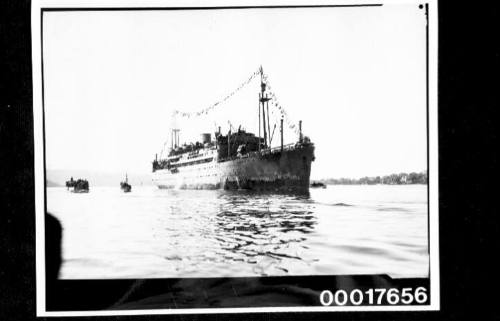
[[354, 76]]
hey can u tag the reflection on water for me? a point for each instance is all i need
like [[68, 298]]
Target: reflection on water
[[259, 225], [175, 233]]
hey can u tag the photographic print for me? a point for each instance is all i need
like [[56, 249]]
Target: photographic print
[[232, 157]]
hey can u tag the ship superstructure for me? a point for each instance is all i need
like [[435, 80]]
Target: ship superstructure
[[237, 160]]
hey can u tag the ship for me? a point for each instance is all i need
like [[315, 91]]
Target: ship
[[78, 186], [125, 186], [238, 159], [318, 185]]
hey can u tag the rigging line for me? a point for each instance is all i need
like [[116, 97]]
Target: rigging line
[[272, 135], [208, 109], [283, 113], [278, 105], [163, 148]]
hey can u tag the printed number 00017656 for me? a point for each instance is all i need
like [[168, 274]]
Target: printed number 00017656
[[374, 296]]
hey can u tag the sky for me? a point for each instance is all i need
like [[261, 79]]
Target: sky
[[354, 76]]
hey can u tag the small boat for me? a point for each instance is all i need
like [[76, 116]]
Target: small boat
[[78, 186], [318, 185], [125, 186]]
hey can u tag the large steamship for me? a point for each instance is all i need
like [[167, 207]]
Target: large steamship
[[238, 160]]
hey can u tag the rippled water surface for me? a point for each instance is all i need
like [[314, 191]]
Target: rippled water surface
[[152, 233]]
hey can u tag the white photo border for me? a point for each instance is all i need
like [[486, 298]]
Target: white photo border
[[39, 145]]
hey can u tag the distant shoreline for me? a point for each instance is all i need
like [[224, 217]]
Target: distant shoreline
[[412, 178], [361, 184], [57, 178]]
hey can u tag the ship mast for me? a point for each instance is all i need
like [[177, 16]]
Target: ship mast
[[174, 138], [263, 99], [259, 121]]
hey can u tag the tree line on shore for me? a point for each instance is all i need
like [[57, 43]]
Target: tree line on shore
[[392, 179]]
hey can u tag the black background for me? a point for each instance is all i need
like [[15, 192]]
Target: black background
[[469, 56]]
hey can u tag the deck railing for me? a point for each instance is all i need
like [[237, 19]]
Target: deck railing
[[267, 151]]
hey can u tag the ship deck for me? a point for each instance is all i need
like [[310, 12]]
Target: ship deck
[[264, 152]]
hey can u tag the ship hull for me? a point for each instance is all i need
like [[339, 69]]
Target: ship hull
[[276, 170]]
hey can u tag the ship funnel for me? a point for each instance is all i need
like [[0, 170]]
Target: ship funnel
[[206, 138]]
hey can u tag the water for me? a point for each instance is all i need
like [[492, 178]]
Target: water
[[152, 233]]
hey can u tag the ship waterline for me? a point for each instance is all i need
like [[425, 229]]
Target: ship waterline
[[270, 169]]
